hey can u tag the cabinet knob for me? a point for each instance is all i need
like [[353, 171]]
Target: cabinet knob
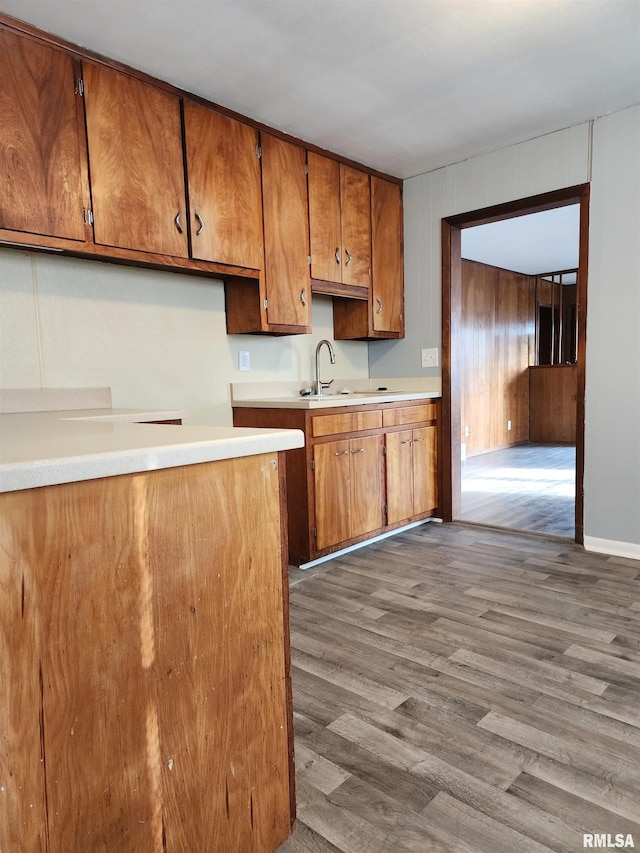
[[379, 308], [200, 223], [419, 439], [178, 223], [344, 453], [348, 254], [337, 254], [406, 441], [361, 450]]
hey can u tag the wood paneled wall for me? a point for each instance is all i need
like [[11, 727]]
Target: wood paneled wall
[[498, 323], [552, 408]]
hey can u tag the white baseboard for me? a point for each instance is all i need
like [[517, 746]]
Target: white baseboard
[[335, 554], [610, 546]]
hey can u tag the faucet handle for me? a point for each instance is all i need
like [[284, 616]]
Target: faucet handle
[[327, 384]]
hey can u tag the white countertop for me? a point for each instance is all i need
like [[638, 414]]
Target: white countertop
[[46, 448], [287, 395]]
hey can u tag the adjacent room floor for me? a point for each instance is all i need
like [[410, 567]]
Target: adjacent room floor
[[468, 690], [528, 487]]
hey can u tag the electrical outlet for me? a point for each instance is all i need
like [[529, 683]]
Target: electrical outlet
[[430, 357], [244, 360], [467, 431], [508, 424]]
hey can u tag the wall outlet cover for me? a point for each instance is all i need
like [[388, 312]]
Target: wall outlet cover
[[244, 360], [430, 357]]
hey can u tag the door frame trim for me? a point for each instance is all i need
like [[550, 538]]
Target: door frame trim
[[450, 439]]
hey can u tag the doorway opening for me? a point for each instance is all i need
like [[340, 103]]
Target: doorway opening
[[488, 414]]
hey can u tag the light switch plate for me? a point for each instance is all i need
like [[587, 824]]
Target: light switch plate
[[430, 357], [244, 360]]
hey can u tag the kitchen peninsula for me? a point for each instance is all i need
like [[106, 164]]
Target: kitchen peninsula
[[144, 669]]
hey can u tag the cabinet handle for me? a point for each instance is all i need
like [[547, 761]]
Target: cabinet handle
[[178, 223], [201, 223], [419, 439], [348, 254], [344, 453], [337, 254], [406, 441], [303, 297], [379, 309], [358, 451]]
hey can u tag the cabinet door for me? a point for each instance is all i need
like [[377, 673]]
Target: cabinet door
[[135, 156], [355, 205], [225, 193], [324, 218], [366, 485], [425, 471], [43, 174], [332, 493], [399, 476], [286, 233], [387, 253]]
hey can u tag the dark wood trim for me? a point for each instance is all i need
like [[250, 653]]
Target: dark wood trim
[[451, 309], [449, 451], [31, 31], [581, 311], [520, 207]]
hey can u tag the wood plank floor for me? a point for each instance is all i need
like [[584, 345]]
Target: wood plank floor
[[462, 689], [529, 487]]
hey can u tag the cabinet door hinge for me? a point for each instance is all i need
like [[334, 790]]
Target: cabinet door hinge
[[87, 215], [306, 168], [266, 304], [313, 464], [384, 449], [258, 151], [309, 259], [79, 86], [314, 532]]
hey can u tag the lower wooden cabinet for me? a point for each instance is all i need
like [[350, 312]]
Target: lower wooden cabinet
[[348, 489], [412, 482], [364, 469]]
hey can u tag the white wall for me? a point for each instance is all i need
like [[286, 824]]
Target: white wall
[[612, 451], [612, 421], [156, 338]]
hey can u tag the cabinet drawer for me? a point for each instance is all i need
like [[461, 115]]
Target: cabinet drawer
[[346, 422], [409, 415]]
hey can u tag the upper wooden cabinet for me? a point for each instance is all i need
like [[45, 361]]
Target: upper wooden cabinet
[[43, 171], [282, 303], [225, 193], [339, 224], [134, 135], [388, 273], [286, 233], [382, 315]]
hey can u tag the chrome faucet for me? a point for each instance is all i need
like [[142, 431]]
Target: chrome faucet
[[320, 385]]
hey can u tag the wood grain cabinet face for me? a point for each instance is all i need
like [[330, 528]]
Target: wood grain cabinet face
[[134, 135], [43, 170], [388, 274], [146, 702], [339, 222], [411, 473], [286, 234], [225, 192], [348, 489]]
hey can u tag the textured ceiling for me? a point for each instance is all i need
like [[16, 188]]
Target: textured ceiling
[[404, 86]]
